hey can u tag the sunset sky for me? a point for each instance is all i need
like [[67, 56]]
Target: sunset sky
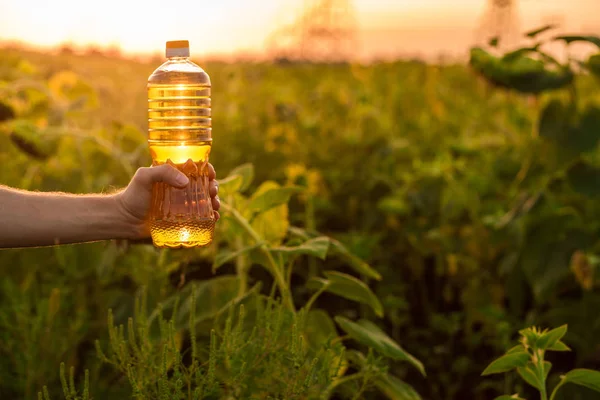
[[387, 27]]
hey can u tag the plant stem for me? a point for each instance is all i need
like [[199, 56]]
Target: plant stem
[[314, 297], [310, 226], [272, 267], [541, 376], [241, 267], [343, 380], [562, 382]]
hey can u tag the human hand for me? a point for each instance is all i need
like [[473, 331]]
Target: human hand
[[134, 201]]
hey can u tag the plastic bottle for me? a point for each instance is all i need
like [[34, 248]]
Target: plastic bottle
[[179, 133]]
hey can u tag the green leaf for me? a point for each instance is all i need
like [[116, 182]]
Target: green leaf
[[547, 368], [559, 346], [507, 362], [230, 185], [337, 248], [6, 112], [31, 140], [319, 328], [516, 349], [516, 54], [584, 179], [349, 287], [272, 225], [528, 374], [576, 38], [370, 335], [316, 247], [584, 377], [395, 389], [353, 261], [548, 339], [535, 32], [224, 256], [246, 172], [267, 199]]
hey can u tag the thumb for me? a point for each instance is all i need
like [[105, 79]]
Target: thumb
[[162, 173]]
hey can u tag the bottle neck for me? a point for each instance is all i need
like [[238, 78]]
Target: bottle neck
[[177, 58]]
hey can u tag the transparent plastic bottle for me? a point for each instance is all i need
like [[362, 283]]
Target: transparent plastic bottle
[[179, 133]]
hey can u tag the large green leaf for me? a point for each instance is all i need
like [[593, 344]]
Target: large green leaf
[[230, 185], [272, 225], [31, 140], [519, 71], [370, 335], [246, 172], [550, 338], [577, 38], [506, 363], [528, 373], [584, 377], [349, 287], [395, 389], [319, 327], [559, 346], [273, 197], [316, 247]]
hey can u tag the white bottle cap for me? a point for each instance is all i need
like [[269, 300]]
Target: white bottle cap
[[178, 48]]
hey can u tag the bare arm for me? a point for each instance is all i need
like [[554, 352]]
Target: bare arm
[[30, 219]]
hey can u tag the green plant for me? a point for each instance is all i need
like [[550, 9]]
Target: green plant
[[69, 390], [259, 353], [528, 359]]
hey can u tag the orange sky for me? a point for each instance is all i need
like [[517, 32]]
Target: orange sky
[[387, 27]]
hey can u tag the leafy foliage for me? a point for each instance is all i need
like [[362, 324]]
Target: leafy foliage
[[448, 211], [528, 359]]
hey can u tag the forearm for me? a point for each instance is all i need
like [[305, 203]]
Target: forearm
[[40, 219]]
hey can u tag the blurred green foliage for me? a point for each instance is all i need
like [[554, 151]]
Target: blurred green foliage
[[460, 201]]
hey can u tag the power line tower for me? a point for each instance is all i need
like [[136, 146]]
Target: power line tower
[[325, 31], [500, 20]]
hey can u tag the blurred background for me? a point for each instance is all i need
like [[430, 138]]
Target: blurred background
[[467, 179]]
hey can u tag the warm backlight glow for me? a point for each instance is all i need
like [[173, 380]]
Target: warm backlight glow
[[228, 26], [184, 235], [180, 154]]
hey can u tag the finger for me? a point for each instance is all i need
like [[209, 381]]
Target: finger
[[216, 203], [217, 215], [162, 173], [211, 172], [213, 188]]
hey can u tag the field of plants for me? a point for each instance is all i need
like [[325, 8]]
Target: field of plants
[[387, 232]]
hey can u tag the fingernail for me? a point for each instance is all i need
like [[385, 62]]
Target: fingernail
[[182, 180]]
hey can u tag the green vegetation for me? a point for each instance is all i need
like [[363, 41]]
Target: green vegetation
[[385, 230]]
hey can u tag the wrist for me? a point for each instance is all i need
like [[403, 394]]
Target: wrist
[[127, 226]]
